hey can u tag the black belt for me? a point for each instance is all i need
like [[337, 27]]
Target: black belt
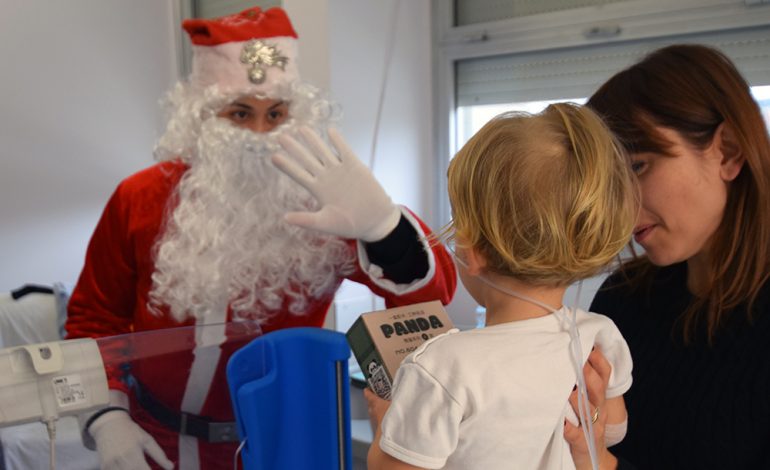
[[185, 423]]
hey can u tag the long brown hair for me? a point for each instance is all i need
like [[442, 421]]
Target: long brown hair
[[693, 89]]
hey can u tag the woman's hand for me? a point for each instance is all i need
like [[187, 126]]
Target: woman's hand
[[597, 372]]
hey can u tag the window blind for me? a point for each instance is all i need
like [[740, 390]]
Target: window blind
[[481, 11], [577, 72]]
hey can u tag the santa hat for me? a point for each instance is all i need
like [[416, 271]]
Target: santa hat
[[253, 52]]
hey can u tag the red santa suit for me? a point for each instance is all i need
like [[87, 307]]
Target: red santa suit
[[111, 298]]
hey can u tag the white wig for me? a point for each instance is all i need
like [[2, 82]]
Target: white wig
[[225, 240]]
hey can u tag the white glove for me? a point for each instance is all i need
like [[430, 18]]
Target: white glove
[[121, 443], [353, 204]]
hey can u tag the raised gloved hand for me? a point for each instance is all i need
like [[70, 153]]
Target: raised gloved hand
[[353, 204], [121, 443]]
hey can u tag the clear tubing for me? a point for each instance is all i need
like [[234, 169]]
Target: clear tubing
[[577, 355]]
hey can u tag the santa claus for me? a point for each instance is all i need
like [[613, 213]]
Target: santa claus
[[256, 212]]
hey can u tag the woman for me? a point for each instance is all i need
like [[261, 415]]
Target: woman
[[695, 308]]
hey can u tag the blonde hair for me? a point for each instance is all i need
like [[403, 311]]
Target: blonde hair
[[548, 198]]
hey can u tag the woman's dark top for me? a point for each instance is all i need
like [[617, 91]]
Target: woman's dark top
[[695, 406]]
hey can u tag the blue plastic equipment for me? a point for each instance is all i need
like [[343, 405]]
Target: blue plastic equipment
[[290, 391]]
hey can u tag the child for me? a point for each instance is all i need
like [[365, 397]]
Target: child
[[539, 202]]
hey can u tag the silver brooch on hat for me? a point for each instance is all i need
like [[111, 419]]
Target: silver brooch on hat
[[260, 56]]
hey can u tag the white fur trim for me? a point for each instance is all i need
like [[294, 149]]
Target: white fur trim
[[221, 65], [375, 272]]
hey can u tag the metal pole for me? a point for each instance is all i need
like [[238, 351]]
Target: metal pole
[[341, 414]]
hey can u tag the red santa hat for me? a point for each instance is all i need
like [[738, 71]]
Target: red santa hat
[[252, 52]]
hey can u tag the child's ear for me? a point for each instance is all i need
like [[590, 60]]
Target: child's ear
[[475, 260], [732, 154]]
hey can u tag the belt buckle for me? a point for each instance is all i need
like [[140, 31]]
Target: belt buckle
[[210, 431], [222, 432]]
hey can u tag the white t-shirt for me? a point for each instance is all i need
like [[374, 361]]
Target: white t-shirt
[[496, 397]]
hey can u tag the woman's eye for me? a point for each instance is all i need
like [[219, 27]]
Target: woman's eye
[[275, 115], [638, 167], [239, 115]]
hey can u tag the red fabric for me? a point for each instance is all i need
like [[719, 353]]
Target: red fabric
[[112, 293], [248, 24]]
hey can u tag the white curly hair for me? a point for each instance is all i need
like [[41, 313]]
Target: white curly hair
[[225, 241]]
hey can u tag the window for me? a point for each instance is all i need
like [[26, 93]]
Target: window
[[510, 54], [500, 55], [525, 78], [762, 95], [471, 118], [470, 12]]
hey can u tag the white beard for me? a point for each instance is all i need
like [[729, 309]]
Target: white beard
[[226, 241]]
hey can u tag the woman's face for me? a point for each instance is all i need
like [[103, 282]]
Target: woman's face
[[683, 199], [256, 114]]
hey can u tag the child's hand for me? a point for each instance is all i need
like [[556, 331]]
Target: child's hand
[[377, 407], [377, 459]]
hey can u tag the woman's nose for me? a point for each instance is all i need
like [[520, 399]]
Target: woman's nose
[[262, 125]]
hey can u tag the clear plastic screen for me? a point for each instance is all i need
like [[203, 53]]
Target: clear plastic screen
[[158, 362]]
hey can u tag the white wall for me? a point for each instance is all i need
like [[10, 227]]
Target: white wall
[[310, 19], [405, 159], [79, 89], [359, 36], [344, 43], [342, 49]]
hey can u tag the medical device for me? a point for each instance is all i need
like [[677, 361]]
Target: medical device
[[45, 381], [48, 380]]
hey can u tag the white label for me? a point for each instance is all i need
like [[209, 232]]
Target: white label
[[69, 390]]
